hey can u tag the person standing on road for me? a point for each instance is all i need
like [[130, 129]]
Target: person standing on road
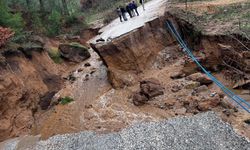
[[129, 10], [142, 3], [123, 11], [118, 10], [134, 5], [131, 7]]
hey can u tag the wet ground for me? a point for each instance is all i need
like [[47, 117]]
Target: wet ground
[[98, 107]]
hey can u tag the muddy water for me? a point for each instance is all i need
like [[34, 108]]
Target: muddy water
[[100, 108], [91, 82], [97, 106], [245, 94]]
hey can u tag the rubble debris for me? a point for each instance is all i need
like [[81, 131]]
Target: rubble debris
[[242, 84], [177, 75], [199, 77], [149, 89]]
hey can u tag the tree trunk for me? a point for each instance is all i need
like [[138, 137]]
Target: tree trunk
[[65, 7], [41, 6], [28, 4]]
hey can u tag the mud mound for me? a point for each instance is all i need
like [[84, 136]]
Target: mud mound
[[203, 131]]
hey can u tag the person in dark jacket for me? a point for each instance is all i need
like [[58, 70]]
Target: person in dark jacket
[[119, 13], [129, 10], [131, 7], [123, 11], [134, 5]]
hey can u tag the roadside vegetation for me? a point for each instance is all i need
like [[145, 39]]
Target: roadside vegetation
[[55, 55], [225, 18], [66, 100], [46, 17], [54, 17]]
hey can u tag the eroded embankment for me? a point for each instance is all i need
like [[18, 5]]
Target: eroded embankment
[[26, 82], [136, 51], [151, 52]]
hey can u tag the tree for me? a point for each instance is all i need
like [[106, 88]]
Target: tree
[[10, 20], [42, 9], [28, 4], [65, 7]]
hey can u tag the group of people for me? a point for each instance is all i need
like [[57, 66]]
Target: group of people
[[131, 9]]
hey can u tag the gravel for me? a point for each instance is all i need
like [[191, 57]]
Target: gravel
[[204, 131]]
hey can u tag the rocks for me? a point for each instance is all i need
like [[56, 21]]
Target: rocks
[[176, 88], [139, 99], [246, 54], [209, 103], [177, 75], [247, 121], [100, 40], [197, 103], [191, 84], [202, 88], [199, 77], [46, 99], [120, 79], [202, 131], [149, 89], [180, 111], [228, 112], [74, 52], [30, 47], [242, 84], [87, 65]]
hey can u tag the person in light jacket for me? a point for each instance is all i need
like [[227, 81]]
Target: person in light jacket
[[142, 3]]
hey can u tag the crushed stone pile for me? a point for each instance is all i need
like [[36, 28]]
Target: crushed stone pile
[[202, 131]]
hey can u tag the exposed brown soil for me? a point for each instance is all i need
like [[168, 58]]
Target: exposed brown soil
[[23, 82], [103, 86], [106, 109]]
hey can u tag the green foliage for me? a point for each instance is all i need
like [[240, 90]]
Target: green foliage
[[103, 9], [109, 17], [233, 11], [71, 20], [55, 55], [7, 19], [77, 45], [22, 37], [66, 100], [54, 23], [37, 23]]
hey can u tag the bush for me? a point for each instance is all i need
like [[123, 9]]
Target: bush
[[13, 21], [55, 56], [54, 23], [109, 17], [37, 22], [71, 20], [66, 100], [22, 37]]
